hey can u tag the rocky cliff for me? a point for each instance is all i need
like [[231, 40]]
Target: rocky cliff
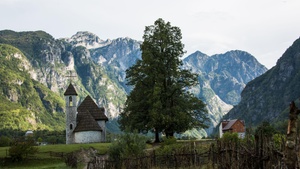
[[222, 78], [266, 97]]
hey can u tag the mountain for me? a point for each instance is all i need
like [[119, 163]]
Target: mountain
[[266, 97], [87, 39], [222, 78], [25, 103], [227, 73], [52, 60], [97, 68]]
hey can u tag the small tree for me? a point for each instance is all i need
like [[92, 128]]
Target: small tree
[[265, 129], [20, 149], [230, 137], [127, 145]]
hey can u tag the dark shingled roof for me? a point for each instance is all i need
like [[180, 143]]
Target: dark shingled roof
[[70, 91], [88, 104], [86, 122], [230, 123]]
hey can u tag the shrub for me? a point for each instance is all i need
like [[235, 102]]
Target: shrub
[[169, 141], [4, 141], [230, 137], [20, 149], [278, 140], [127, 145]]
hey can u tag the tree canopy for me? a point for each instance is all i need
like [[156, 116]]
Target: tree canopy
[[160, 100]]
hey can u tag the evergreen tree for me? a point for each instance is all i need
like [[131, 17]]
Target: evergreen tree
[[160, 100]]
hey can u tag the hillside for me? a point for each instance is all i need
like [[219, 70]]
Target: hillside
[[266, 97], [25, 103]]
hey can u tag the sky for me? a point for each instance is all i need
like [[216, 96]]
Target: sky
[[263, 28]]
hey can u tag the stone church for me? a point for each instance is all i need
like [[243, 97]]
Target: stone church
[[84, 123]]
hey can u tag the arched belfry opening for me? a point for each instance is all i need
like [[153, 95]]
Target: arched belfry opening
[[70, 101]]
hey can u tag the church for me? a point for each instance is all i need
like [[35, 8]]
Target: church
[[84, 123]]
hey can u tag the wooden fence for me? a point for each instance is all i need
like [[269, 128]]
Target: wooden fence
[[261, 154], [153, 161], [256, 153]]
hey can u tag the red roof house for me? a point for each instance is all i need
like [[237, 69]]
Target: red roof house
[[234, 126]]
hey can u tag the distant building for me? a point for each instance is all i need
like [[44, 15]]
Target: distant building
[[236, 125], [29, 133], [85, 123]]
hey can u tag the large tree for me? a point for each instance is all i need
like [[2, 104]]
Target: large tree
[[160, 100]]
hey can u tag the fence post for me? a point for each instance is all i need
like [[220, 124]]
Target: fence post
[[291, 154]]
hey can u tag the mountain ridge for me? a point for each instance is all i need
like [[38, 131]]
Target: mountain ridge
[[101, 73], [265, 97]]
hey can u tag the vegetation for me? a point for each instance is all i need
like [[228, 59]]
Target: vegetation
[[127, 145], [265, 129], [45, 160], [21, 149], [230, 137], [160, 100], [24, 103]]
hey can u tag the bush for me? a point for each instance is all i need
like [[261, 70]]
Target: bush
[[170, 146], [20, 149], [278, 141], [169, 141], [4, 141], [230, 137], [127, 145]]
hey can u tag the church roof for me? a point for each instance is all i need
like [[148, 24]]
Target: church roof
[[70, 90], [88, 104], [86, 122]]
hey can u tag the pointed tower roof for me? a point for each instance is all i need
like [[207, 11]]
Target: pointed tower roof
[[88, 104], [86, 122], [70, 90]]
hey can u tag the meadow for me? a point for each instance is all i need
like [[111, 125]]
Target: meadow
[[43, 159]]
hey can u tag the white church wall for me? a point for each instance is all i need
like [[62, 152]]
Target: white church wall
[[88, 137], [103, 127]]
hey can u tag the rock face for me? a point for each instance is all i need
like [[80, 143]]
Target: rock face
[[266, 97], [99, 68], [88, 40], [222, 77]]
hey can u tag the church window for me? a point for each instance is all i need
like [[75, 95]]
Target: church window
[[71, 126], [70, 101]]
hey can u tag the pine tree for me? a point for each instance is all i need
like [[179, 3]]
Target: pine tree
[[160, 100]]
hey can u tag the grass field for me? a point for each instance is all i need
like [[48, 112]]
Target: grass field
[[43, 159]]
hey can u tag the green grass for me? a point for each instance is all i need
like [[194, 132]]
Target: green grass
[[101, 147], [53, 163], [3, 151], [43, 159]]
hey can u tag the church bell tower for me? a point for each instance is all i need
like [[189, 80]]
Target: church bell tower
[[71, 112]]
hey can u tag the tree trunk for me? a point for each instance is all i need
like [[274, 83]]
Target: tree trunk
[[169, 134], [156, 137]]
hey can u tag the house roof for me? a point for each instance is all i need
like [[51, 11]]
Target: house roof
[[88, 104], [70, 90], [86, 122], [230, 123]]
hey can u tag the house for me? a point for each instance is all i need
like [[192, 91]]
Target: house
[[85, 123], [235, 125], [29, 133]]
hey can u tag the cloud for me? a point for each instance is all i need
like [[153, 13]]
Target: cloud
[[263, 28]]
